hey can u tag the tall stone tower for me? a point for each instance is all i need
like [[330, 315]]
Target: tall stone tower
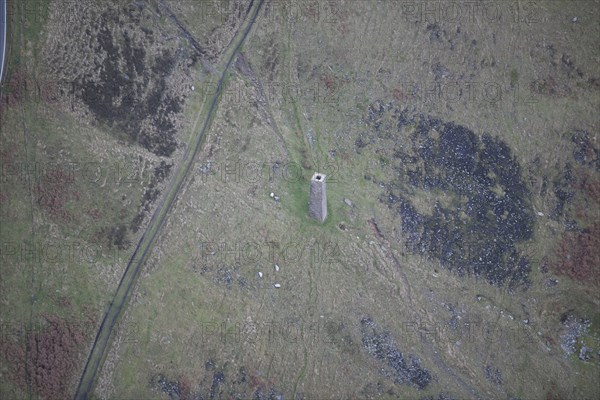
[[317, 208]]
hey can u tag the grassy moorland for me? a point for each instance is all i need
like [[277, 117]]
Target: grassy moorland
[[459, 256]]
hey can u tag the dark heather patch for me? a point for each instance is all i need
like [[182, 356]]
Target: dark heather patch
[[129, 97], [585, 152], [151, 193], [382, 346], [493, 375], [117, 236], [170, 388], [216, 383], [218, 379], [490, 211], [441, 396], [563, 191]]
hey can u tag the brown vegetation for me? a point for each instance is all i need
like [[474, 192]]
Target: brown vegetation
[[15, 89], [591, 185], [44, 359], [185, 387], [329, 81], [52, 193], [577, 255], [552, 393]]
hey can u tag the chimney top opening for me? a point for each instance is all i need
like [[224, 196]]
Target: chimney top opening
[[318, 177]]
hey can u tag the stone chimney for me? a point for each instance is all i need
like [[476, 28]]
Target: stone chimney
[[317, 208]]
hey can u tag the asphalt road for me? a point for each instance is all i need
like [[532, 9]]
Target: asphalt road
[[3, 23]]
